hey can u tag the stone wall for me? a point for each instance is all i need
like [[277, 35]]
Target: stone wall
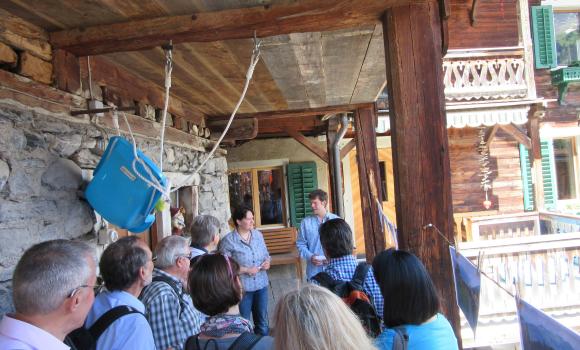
[[43, 169]]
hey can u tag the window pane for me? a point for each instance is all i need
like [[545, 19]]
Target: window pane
[[567, 30], [565, 177], [270, 187], [240, 189]]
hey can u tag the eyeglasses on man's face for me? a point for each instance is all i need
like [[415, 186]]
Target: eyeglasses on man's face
[[95, 288]]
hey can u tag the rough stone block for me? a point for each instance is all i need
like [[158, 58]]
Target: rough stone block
[[63, 174], [8, 56], [35, 68], [4, 173]]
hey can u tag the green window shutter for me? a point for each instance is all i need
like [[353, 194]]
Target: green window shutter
[[301, 181], [549, 174], [544, 37], [527, 184]]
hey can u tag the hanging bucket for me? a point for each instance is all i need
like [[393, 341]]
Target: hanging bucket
[[118, 194]]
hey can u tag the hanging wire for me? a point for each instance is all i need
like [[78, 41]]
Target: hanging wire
[[253, 62], [168, 69]]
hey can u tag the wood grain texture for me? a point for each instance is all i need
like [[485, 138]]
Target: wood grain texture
[[369, 180], [297, 17], [419, 138], [311, 146]]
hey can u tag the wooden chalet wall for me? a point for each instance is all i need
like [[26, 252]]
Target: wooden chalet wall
[[506, 180], [496, 24]]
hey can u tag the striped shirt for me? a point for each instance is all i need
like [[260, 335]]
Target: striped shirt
[[308, 241], [250, 254], [343, 268], [172, 317]]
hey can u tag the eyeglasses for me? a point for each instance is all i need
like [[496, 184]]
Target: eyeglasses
[[188, 256], [75, 291]]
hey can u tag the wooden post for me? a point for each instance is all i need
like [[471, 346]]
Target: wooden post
[[163, 223], [534, 115], [188, 199], [331, 129], [369, 176], [419, 137]]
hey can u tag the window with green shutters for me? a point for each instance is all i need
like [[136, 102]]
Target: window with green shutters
[[527, 184], [302, 180], [544, 39], [549, 175]]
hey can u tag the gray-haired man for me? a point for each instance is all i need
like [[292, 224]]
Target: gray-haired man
[[53, 292], [169, 308], [205, 235]]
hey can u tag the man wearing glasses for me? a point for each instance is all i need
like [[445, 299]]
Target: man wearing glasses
[[52, 289], [169, 308], [126, 267]]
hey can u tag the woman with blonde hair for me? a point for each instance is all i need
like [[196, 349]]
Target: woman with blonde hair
[[313, 318]]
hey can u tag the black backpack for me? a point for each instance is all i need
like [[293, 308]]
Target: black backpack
[[245, 341], [353, 295], [86, 339]]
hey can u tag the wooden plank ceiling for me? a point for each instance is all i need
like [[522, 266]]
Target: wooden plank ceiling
[[296, 71]]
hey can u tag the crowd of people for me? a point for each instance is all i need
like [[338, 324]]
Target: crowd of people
[[207, 293]]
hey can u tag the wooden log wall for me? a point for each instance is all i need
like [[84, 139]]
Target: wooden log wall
[[506, 180], [496, 24]]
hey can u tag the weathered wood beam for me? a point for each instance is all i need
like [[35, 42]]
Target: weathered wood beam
[[421, 164], [296, 17], [313, 147], [490, 135], [24, 36], [367, 158], [517, 134], [243, 129], [275, 115], [345, 150], [70, 71]]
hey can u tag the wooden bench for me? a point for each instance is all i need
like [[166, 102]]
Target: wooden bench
[[281, 244]]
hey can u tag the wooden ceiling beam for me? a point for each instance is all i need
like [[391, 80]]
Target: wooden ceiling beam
[[275, 115], [313, 147], [298, 17], [243, 129]]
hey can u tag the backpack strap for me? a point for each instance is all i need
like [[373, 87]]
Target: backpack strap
[[173, 286], [109, 317], [360, 275], [401, 338], [245, 341], [324, 279]]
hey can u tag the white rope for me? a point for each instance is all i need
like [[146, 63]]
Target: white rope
[[168, 70], [90, 77], [253, 62]]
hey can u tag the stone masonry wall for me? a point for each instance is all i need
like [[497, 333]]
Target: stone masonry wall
[[42, 163]]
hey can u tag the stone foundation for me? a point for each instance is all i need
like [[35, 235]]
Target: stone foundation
[[44, 163]]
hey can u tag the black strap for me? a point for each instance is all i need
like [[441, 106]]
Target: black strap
[[245, 341], [360, 274], [108, 318], [173, 286]]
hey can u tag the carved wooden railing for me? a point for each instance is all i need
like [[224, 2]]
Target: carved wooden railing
[[484, 75]]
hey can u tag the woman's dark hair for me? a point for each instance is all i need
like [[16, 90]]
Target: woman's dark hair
[[240, 213], [336, 238], [121, 262], [213, 284], [409, 294]]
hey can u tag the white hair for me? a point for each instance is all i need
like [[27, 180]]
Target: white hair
[[47, 274], [169, 249]]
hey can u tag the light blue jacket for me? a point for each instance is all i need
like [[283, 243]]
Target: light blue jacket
[[308, 241]]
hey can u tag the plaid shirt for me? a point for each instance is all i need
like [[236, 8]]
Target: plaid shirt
[[249, 254], [170, 322], [342, 269]]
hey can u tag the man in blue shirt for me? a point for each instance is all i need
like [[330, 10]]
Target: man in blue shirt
[[308, 241], [126, 267], [337, 243]]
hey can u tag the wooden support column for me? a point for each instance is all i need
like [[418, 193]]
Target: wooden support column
[[369, 176], [419, 137], [534, 116]]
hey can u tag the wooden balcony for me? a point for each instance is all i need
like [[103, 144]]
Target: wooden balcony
[[494, 74]]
